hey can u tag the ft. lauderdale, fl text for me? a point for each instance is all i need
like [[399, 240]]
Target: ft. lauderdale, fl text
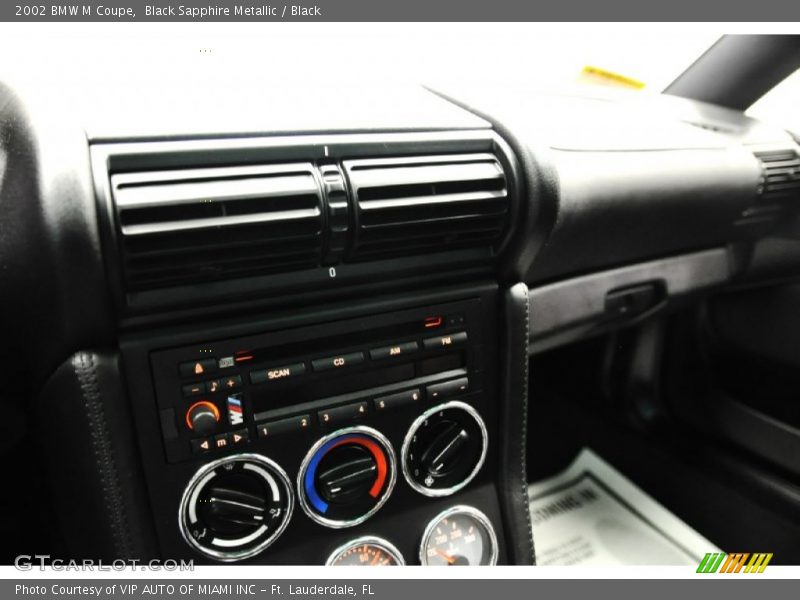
[[322, 590]]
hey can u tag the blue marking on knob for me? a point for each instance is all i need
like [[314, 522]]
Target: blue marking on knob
[[308, 483]]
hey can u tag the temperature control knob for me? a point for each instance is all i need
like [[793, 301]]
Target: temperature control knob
[[235, 507], [346, 477], [444, 449]]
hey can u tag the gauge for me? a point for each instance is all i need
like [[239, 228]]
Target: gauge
[[461, 535], [366, 552]]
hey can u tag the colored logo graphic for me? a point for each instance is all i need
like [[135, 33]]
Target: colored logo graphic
[[719, 562], [235, 416]]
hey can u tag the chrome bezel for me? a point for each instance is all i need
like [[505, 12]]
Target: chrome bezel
[[449, 491], [464, 510], [372, 540], [200, 474], [342, 524]]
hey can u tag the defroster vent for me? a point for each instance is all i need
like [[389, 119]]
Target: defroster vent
[[200, 225], [416, 205]]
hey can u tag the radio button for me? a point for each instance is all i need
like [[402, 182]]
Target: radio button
[[238, 437], [337, 362], [213, 386], [397, 400], [342, 414], [199, 446], [445, 341], [437, 391], [277, 373], [392, 351], [232, 383], [194, 389], [195, 368], [226, 362], [282, 426]]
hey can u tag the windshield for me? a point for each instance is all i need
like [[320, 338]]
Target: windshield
[[781, 105], [485, 54]]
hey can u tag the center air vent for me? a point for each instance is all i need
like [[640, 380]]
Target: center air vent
[[201, 225], [426, 204], [781, 175], [214, 221]]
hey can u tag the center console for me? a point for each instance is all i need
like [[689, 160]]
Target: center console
[[283, 444]]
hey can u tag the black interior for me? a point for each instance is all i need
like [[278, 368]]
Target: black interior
[[613, 273]]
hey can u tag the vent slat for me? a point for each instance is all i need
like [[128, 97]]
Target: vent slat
[[174, 226], [775, 157], [452, 224], [783, 186], [421, 201], [427, 175], [428, 204], [783, 166], [783, 173], [412, 217], [178, 247], [144, 196]]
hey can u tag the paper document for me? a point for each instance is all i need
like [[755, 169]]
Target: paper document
[[590, 514]]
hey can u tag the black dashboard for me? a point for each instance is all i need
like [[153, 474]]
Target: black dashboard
[[259, 324]]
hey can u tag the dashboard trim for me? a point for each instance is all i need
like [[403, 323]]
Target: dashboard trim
[[581, 300]]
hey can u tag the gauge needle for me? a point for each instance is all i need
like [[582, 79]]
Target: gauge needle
[[450, 560], [375, 560]]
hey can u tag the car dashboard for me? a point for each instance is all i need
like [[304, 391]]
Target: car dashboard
[[277, 325]]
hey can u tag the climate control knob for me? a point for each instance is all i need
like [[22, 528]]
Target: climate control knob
[[346, 477], [444, 449], [235, 507]]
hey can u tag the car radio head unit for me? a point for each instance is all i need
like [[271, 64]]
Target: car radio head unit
[[228, 396]]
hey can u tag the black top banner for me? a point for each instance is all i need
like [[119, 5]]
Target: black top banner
[[404, 10]]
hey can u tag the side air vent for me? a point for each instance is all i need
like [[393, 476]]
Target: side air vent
[[201, 225], [426, 204], [781, 175]]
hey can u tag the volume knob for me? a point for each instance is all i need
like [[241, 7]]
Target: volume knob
[[202, 417]]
